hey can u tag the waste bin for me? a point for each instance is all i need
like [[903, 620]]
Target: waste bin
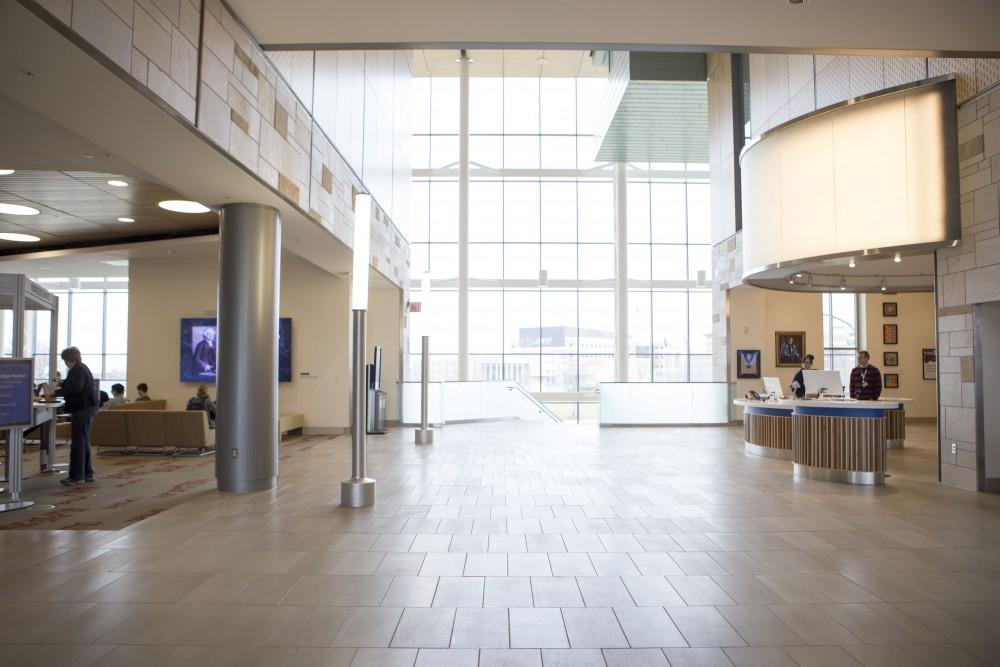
[[376, 412]]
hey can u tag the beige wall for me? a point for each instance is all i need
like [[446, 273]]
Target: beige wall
[[916, 322], [756, 314], [162, 291]]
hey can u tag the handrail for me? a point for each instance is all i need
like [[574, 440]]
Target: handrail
[[542, 409]]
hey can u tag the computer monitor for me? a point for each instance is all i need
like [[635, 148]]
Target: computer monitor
[[773, 386], [829, 382]]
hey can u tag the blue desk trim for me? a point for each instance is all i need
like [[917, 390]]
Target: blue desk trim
[[761, 410], [870, 413]]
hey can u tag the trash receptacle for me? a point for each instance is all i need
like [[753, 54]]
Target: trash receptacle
[[376, 412]]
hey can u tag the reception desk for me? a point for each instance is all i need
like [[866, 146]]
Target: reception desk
[[829, 439]]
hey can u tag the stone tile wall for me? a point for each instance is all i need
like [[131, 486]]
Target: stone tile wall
[[155, 41], [968, 274], [263, 116]]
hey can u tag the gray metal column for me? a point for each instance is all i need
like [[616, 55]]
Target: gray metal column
[[359, 491], [621, 273], [424, 435], [246, 457], [463, 219]]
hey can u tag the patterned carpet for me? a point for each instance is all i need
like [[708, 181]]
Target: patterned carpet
[[127, 489]]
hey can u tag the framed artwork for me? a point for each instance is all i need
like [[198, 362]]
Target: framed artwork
[[890, 358], [747, 364], [929, 356], [890, 334], [891, 381], [789, 348], [890, 309]]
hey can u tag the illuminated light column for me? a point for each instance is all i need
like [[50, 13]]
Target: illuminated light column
[[359, 490]]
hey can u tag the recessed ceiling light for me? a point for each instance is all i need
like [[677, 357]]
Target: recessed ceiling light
[[118, 183], [126, 219], [19, 238], [18, 209], [115, 262], [183, 206], [6, 172], [542, 61]]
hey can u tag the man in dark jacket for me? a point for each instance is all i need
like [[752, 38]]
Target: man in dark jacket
[[82, 403]]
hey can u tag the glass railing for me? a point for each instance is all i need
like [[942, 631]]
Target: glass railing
[[450, 402]]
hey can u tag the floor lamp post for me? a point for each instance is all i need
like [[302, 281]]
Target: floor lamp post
[[425, 434], [359, 490]]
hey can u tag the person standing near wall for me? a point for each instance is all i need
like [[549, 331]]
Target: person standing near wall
[[82, 403], [866, 380]]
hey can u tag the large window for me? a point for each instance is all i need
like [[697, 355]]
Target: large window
[[542, 267], [94, 320], [840, 333], [669, 246]]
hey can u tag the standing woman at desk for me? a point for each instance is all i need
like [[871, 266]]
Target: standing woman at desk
[[866, 380], [799, 382], [80, 393]]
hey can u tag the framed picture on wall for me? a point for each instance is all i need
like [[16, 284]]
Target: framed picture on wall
[[891, 381], [747, 364], [929, 356], [789, 347], [890, 358], [890, 334], [890, 309]]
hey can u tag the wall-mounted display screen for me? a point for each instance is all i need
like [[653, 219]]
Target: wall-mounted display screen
[[199, 349]]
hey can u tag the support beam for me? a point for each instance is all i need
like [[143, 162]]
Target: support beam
[[246, 457], [463, 219], [621, 273]]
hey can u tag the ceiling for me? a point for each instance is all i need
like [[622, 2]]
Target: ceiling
[[926, 26], [80, 206], [914, 273], [509, 63]]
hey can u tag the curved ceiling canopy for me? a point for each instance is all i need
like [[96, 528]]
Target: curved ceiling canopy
[[868, 178]]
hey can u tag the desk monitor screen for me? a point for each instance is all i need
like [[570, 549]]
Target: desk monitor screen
[[829, 382], [773, 386]]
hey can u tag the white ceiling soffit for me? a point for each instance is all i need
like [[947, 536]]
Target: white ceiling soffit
[[917, 26], [74, 94], [553, 63]]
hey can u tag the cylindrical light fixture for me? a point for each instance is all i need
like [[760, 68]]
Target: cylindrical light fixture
[[897, 258], [843, 284], [362, 249], [883, 285], [852, 263]]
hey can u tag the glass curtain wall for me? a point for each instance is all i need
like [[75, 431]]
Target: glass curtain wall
[[542, 241], [840, 333], [94, 320]]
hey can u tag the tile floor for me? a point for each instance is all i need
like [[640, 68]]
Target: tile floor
[[523, 544]]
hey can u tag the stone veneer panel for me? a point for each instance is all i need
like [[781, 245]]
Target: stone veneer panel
[[239, 101], [968, 274], [154, 41]]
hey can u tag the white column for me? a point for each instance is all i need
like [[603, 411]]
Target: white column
[[463, 220], [621, 274]]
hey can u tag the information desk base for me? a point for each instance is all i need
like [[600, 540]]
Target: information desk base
[[15, 505], [894, 443], [859, 477], [769, 452]]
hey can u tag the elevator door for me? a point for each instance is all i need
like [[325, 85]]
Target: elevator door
[[987, 333]]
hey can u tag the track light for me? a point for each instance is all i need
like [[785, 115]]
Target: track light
[[897, 258], [843, 284], [883, 285], [852, 263], [791, 280]]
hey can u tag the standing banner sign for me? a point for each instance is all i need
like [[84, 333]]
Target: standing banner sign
[[17, 391]]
